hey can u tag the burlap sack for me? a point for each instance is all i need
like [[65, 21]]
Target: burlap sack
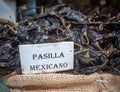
[[64, 83]]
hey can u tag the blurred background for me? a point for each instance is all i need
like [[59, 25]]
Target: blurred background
[[85, 6], [21, 8]]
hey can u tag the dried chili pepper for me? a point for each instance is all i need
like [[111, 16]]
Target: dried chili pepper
[[96, 38]]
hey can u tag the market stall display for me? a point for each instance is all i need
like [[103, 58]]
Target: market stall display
[[96, 38]]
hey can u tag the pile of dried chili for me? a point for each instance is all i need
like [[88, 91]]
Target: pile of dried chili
[[96, 38]]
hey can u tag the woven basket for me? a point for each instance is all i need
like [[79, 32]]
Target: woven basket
[[64, 83]]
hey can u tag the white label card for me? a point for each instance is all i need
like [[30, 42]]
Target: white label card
[[48, 57]]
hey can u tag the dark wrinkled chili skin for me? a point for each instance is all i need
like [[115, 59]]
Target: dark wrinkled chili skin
[[96, 39], [9, 54]]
